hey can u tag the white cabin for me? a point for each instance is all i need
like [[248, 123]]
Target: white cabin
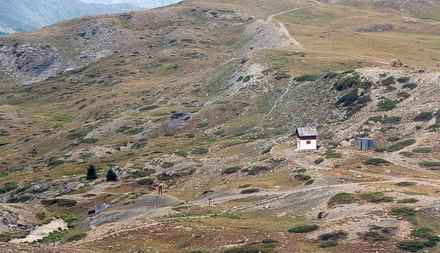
[[307, 138]]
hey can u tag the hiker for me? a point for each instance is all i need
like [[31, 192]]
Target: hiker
[[160, 189]]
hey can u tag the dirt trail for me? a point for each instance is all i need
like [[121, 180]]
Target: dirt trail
[[283, 29]]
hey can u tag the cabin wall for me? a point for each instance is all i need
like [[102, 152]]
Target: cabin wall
[[310, 144]]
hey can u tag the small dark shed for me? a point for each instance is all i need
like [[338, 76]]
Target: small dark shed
[[365, 143]]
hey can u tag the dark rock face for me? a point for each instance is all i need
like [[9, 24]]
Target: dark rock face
[[30, 62], [179, 120]]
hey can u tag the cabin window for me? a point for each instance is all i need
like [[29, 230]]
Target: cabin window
[[309, 142]]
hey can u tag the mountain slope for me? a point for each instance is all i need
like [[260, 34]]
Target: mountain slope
[[27, 15], [203, 97]]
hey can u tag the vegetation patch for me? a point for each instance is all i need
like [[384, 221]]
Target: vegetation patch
[[303, 229], [386, 104], [332, 154], [9, 186], [342, 198], [405, 184], [319, 161], [307, 78], [376, 162], [424, 116], [422, 150], [408, 201], [331, 239], [249, 191], [231, 170], [400, 145], [407, 213], [430, 164], [376, 197], [64, 236]]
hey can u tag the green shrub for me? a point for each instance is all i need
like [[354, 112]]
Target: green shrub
[[332, 154], [405, 184], [302, 177], [64, 236], [430, 164], [331, 239], [328, 244], [231, 170], [181, 153], [376, 197], [388, 81], [307, 78], [403, 79], [410, 86], [111, 176], [319, 161], [422, 150], [386, 104], [400, 145], [199, 151], [249, 190], [348, 82], [407, 213], [408, 201], [376, 119], [423, 232], [341, 198], [411, 245], [392, 120], [91, 173], [9, 186], [376, 162], [303, 229], [424, 116]]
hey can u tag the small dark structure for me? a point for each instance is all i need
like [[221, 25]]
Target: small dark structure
[[365, 144]]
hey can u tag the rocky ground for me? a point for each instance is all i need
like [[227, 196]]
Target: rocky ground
[[203, 98]]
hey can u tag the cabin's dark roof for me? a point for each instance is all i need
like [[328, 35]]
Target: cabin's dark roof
[[306, 132]]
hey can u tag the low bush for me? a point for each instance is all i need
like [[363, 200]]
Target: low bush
[[64, 236], [376, 197], [403, 79], [388, 81], [424, 116], [231, 170], [400, 145], [376, 162], [318, 161], [406, 213], [422, 150], [411, 245], [410, 86], [408, 201], [405, 184], [347, 82], [341, 198], [392, 120], [307, 78], [430, 164], [386, 104], [111, 176], [9, 186], [249, 190], [199, 151], [303, 229], [302, 177]]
